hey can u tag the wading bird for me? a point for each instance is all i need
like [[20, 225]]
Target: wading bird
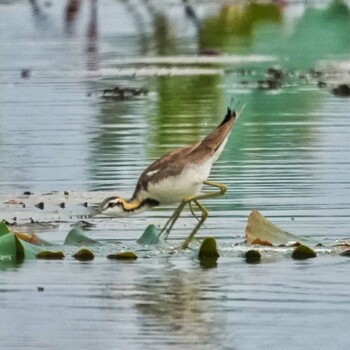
[[177, 177]]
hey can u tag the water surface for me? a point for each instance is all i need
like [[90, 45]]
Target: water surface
[[288, 156]]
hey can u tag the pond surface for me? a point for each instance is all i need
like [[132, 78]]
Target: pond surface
[[288, 156]]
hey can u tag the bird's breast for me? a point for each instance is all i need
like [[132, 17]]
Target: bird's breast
[[174, 189]]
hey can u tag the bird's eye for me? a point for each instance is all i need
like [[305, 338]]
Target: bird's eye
[[111, 204]]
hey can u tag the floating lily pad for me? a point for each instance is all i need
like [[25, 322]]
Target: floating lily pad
[[50, 255], [303, 252], [150, 236], [32, 238], [84, 255], [11, 248], [3, 229], [252, 256], [122, 256], [77, 237]]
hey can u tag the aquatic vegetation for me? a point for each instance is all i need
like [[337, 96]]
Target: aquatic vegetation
[[303, 252], [252, 256], [84, 254], [266, 237], [122, 256], [50, 255], [261, 231]]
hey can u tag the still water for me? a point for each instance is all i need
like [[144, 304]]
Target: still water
[[288, 156]]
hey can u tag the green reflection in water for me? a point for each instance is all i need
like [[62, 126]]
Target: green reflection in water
[[318, 34], [186, 106], [233, 28]]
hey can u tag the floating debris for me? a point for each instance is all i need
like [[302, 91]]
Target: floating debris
[[269, 84], [27, 193], [321, 84], [345, 253], [83, 224], [275, 73], [25, 73], [123, 93], [40, 205], [14, 202], [342, 90]]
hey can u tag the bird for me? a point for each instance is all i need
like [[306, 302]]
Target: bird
[[176, 178]]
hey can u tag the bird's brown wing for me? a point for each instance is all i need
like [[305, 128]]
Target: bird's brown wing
[[169, 165], [174, 162]]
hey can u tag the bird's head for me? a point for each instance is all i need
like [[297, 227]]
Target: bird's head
[[112, 206], [118, 207]]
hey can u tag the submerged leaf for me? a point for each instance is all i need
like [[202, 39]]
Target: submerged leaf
[[261, 231], [150, 236], [77, 237]]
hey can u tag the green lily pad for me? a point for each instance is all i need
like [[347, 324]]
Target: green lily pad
[[77, 237], [150, 236], [303, 252], [50, 255], [11, 248], [3, 229], [122, 256], [84, 255]]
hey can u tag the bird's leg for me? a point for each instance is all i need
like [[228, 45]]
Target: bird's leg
[[200, 223], [222, 190], [194, 198], [222, 187], [173, 219]]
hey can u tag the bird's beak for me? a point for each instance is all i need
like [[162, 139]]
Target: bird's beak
[[95, 211], [98, 209]]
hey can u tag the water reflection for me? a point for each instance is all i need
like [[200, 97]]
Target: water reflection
[[233, 28], [175, 306], [185, 108]]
